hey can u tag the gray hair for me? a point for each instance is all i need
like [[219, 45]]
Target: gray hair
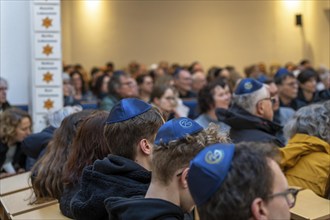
[[248, 102], [313, 120], [3, 82], [55, 119]]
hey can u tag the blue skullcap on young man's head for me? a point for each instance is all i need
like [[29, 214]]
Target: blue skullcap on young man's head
[[126, 109], [247, 85], [208, 170], [176, 129], [281, 72]]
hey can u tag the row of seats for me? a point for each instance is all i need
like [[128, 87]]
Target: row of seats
[[15, 194], [16, 191]]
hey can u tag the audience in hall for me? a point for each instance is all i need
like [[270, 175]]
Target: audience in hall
[[164, 98], [47, 172], [183, 83], [4, 104], [15, 125], [253, 71], [34, 145], [68, 91], [198, 81], [287, 88], [251, 114], [88, 145], [145, 84], [306, 157], [130, 132], [243, 182], [211, 97], [120, 86], [195, 67], [177, 142]]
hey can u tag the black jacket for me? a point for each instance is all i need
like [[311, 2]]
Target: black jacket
[[19, 158], [247, 127], [34, 144], [112, 176], [142, 209]]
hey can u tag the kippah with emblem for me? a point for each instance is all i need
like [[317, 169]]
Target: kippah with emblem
[[176, 129], [247, 85], [126, 109], [208, 170], [281, 72]]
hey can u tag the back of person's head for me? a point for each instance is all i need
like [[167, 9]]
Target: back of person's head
[[9, 121], [55, 119], [88, 145], [313, 120], [47, 171], [177, 142], [248, 93], [130, 121], [225, 179]]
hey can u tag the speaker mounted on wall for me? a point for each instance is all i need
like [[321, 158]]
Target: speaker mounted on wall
[[299, 20]]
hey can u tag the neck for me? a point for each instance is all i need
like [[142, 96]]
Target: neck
[[143, 162], [144, 96], [212, 115], [158, 190], [285, 100], [308, 95]]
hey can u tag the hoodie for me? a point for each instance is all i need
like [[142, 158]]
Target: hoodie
[[112, 176], [142, 209]]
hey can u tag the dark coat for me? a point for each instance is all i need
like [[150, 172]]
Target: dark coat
[[34, 144], [142, 209], [19, 158], [112, 176], [247, 127]]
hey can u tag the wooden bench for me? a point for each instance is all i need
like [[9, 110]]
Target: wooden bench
[[49, 212], [15, 183], [18, 203], [310, 206]]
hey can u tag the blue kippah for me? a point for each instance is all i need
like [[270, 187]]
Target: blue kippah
[[281, 72], [247, 85], [176, 129], [208, 170], [126, 109]]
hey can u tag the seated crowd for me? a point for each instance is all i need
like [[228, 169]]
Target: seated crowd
[[176, 142]]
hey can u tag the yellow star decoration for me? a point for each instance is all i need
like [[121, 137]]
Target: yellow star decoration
[[48, 104], [48, 77], [46, 22], [47, 50]]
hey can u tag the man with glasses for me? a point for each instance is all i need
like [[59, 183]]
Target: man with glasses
[[243, 182], [183, 83], [168, 197], [251, 115], [287, 88], [120, 86]]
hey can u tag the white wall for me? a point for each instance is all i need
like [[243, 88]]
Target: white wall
[[15, 54]]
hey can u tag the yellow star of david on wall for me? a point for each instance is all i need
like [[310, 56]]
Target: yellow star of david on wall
[[46, 22], [48, 77], [48, 104], [47, 50]]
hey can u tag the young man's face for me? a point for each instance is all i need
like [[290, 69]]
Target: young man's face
[[289, 88], [278, 207]]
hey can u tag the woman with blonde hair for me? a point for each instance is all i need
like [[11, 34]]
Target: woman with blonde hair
[[15, 125]]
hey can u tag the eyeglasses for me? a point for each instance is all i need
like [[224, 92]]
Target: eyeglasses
[[171, 98], [289, 194], [291, 84], [271, 99]]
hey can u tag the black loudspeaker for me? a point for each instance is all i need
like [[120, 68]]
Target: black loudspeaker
[[299, 20]]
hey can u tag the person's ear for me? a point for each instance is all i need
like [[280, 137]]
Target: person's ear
[[145, 146], [259, 210], [260, 108], [184, 177]]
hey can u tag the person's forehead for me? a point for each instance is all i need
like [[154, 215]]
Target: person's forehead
[[184, 73], [279, 180]]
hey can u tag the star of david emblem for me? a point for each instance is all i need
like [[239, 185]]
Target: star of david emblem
[[47, 50], [48, 104], [46, 22], [48, 77]]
